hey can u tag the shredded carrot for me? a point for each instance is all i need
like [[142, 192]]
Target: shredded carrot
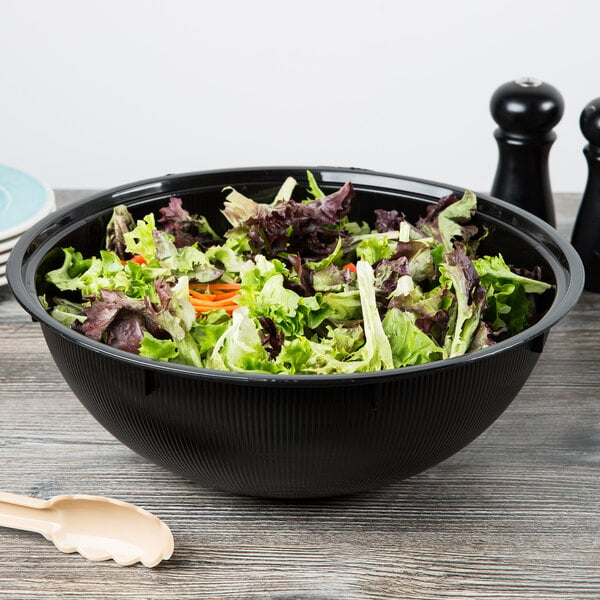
[[213, 303], [205, 301], [350, 267], [225, 295], [202, 296], [216, 286], [228, 308]]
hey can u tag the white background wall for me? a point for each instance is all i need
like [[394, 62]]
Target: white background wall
[[98, 93]]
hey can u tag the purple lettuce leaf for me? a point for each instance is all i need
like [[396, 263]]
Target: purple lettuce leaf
[[271, 338], [185, 228], [311, 229], [121, 222], [387, 220], [304, 284], [332, 279], [447, 220], [388, 271], [483, 337], [460, 275], [431, 311], [475, 292], [331, 209], [120, 321], [126, 332]]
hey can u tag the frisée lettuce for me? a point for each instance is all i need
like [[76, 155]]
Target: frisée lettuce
[[295, 286]]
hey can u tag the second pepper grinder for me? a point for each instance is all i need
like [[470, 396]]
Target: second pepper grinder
[[526, 111], [586, 233]]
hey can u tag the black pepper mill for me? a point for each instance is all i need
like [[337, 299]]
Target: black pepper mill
[[526, 111], [586, 233]]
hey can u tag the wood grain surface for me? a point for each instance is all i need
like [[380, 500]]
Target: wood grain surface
[[515, 515]]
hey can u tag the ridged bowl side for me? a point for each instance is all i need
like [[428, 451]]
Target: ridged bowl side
[[294, 441]]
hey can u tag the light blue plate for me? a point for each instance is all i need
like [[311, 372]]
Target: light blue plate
[[24, 200]]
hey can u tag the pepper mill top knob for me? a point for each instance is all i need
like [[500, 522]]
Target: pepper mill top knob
[[589, 121], [527, 106], [526, 110]]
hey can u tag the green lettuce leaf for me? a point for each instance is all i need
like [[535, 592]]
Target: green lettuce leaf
[[329, 279], [66, 277], [140, 239], [344, 339], [229, 255], [304, 356], [285, 191], [320, 358], [103, 273], [296, 356], [509, 305], [67, 312], [376, 351], [188, 260], [334, 354], [188, 352], [240, 347], [459, 275], [334, 306], [448, 219], [494, 268], [313, 187], [264, 294], [372, 248], [409, 344], [208, 328], [152, 347]]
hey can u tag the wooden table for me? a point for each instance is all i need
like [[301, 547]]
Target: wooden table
[[514, 515]]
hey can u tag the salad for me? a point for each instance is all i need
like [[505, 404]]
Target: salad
[[295, 286]]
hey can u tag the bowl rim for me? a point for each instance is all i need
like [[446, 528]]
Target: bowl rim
[[20, 273]]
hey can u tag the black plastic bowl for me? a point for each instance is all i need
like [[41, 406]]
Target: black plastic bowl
[[293, 436]]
